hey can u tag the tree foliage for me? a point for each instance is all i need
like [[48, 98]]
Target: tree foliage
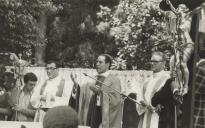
[[19, 20], [74, 34], [139, 27], [79, 30]]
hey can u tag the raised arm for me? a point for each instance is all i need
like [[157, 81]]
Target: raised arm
[[75, 94]]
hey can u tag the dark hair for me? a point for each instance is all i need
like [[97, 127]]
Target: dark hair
[[62, 126], [30, 77], [52, 61], [8, 78], [160, 54], [9, 75], [60, 117], [108, 58]]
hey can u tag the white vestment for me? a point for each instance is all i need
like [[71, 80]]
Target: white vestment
[[150, 87], [50, 89]]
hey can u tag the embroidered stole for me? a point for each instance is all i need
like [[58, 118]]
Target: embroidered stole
[[151, 119], [101, 79], [59, 92], [40, 113], [94, 118]]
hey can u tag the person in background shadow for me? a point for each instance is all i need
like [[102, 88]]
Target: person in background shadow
[[5, 108], [9, 84]]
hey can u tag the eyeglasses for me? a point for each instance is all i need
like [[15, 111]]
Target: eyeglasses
[[50, 68], [155, 61]]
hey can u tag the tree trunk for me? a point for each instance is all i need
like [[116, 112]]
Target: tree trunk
[[41, 49], [40, 55]]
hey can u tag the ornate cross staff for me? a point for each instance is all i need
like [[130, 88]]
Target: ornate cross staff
[[183, 47], [176, 20], [174, 65], [19, 66]]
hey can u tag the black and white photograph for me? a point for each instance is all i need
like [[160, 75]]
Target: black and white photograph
[[102, 63]]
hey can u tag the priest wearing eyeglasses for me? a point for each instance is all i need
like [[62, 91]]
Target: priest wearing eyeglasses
[[52, 92], [157, 96]]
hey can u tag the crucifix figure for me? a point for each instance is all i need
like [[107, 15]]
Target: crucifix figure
[[184, 47]]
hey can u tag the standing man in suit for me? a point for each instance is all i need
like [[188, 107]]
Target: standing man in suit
[[104, 110]]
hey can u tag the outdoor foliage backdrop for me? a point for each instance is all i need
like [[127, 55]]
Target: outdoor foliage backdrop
[[74, 32]]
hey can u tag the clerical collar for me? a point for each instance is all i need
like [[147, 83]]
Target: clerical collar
[[105, 74], [55, 78], [158, 73]]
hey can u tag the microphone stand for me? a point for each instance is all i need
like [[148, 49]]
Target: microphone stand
[[133, 100], [123, 95]]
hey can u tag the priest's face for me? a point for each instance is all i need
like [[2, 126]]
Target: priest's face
[[157, 63], [52, 70], [101, 65]]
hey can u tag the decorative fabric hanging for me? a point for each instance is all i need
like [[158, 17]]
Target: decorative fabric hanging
[[202, 21]]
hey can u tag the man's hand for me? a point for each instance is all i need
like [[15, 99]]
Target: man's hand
[[42, 97], [143, 104], [95, 89], [175, 86], [17, 108], [74, 78], [159, 108], [178, 97], [173, 74]]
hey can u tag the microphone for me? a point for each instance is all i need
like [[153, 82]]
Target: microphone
[[85, 74], [124, 95]]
